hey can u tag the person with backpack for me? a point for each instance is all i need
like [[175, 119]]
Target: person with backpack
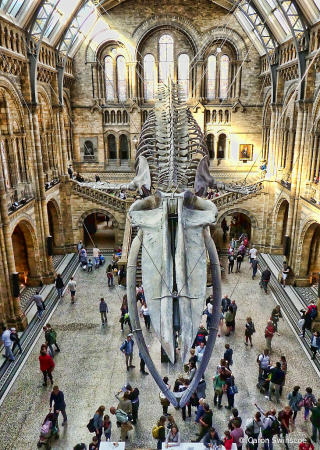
[[123, 422], [127, 349], [15, 339], [315, 420], [249, 330], [219, 382], [268, 334], [46, 365], [265, 278], [308, 401], [59, 285], [231, 259], [159, 432], [315, 344], [252, 430], [295, 399], [51, 338], [275, 317], [276, 379], [231, 391], [103, 308], [286, 421], [201, 336], [264, 361], [269, 426]]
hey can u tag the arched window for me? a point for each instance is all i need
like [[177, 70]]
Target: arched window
[[214, 116], [165, 57], [220, 116], [208, 116], [113, 117], [148, 66], [124, 148], [118, 116], [224, 76], [285, 147], [106, 117], [211, 83], [144, 116], [125, 117], [227, 116], [112, 147], [121, 74], [183, 73], [210, 145], [108, 68], [222, 143]]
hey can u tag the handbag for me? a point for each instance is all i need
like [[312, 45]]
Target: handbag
[[300, 323], [218, 391], [90, 426], [233, 390]]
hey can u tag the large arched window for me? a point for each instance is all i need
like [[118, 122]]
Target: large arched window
[[222, 144], [224, 76], [121, 74], [124, 148], [108, 67], [286, 143], [211, 81], [165, 57], [148, 66], [112, 147], [183, 73]]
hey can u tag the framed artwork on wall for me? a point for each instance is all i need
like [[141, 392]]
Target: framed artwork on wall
[[245, 152]]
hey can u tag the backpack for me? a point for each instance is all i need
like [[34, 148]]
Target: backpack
[[90, 426], [155, 431], [53, 336], [249, 430], [307, 402], [313, 313], [273, 429]]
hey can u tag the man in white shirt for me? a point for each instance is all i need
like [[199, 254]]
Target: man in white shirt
[[96, 254], [253, 252], [6, 341], [72, 289], [264, 362]]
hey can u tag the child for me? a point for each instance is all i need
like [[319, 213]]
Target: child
[[90, 266], [228, 440], [107, 427], [94, 444]]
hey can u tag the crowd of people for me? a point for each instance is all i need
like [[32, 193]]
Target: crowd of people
[[278, 421]]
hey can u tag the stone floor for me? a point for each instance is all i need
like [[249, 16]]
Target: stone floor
[[90, 368]]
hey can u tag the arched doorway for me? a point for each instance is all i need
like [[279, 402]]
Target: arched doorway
[[310, 256], [99, 229], [232, 226], [210, 145], [112, 147], [24, 254], [54, 224], [124, 147], [281, 223], [222, 145]]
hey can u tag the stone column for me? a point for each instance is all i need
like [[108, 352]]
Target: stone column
[[134, 92], [198, 89], [271, 139], [63, 143], [44, 224]]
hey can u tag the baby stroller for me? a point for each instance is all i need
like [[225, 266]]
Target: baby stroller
[[263, 384], [49, 431]]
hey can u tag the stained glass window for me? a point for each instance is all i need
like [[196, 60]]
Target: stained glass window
[[183, 73], [165, 57], [211, 83], [122, 82], [108, 68], [148, 65], [224, 76]]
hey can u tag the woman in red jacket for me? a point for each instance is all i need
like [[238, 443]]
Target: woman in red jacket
[[306, 445], [46, 365]]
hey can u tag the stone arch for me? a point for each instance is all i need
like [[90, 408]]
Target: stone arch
[[232, 211], [9, 89], [280, 221], [304, 250], [105, 211], [55, 224], [25, 249]]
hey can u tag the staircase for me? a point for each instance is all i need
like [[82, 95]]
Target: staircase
[[234, 198]]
